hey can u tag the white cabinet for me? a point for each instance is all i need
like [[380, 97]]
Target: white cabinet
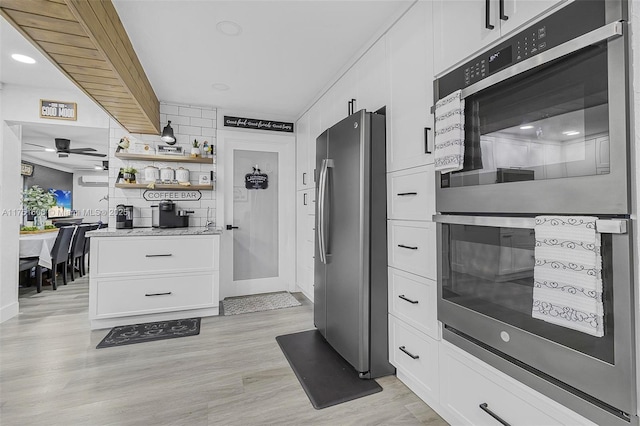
[[467, 383], [305, 237], [411, 194], [413, 299], [372, 81], [136, 279], [302, 153], [410, 63], [461, 27], [412, 247]]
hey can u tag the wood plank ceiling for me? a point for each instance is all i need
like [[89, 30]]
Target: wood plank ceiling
[[87, 42]]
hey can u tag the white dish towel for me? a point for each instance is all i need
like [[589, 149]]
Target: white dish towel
[[449, 133], [567, 276]]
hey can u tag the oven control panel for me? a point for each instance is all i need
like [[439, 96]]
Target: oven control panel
[[571, 21]]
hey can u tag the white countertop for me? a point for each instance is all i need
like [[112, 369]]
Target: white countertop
[[160, 232]]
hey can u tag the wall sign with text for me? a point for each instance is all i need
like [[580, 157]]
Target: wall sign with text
[[257, 124], [159, 195], [58, 110], [256, 180], [26, 169]]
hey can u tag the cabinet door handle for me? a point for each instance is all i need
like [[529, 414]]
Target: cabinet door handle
[[426, 140], [408, 247], [158, 255], [409, 353], [404, 194], [487, 15], [502, 15], [304, 199], [158, 294], [304, 178], [485, 407], [403, 297]]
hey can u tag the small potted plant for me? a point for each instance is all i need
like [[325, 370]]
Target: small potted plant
[[37, 202], [195, 150], [129, 174]]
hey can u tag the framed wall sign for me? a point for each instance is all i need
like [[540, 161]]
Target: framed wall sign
[[58, 110], [26, 169], [257, 124], [256, 180]]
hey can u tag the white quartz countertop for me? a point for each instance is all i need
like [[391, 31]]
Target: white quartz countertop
[[146, 232]]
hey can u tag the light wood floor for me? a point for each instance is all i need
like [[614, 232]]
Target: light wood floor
[[233, 373]]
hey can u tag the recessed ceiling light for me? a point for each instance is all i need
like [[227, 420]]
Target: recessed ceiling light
[[527, 127], [571, 133], [229, 28], [220, 87], [50, 150], [23, 58]]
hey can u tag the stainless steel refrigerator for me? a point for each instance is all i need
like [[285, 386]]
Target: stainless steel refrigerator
[[350, 274]]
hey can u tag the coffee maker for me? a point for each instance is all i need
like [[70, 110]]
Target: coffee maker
[[164, 215], [124, 217]]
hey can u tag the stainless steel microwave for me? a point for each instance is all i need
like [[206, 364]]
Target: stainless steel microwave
[[546, 119]]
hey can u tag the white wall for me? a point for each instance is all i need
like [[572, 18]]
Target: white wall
[[22, 105], [188, 123], [10, 186], [86, 198]]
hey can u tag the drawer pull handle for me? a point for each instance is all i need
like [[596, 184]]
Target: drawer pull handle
[[485, 407], [408, 247], [403, 297], [409, 353], [158, 294], [404, 194], [158, 255]]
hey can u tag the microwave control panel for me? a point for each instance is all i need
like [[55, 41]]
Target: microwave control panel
[[547, 33]]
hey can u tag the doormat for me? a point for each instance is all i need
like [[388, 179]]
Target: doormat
[[150, 331], [326, 377], [258, 303]]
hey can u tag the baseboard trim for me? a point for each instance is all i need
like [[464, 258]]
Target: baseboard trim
[[9, 311], [163, 316]]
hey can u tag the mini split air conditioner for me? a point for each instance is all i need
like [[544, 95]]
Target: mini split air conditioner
[[93, 179]]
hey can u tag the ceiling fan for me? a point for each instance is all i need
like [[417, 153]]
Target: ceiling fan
[[63, 149]]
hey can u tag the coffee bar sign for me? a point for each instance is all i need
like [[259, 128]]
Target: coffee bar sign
[[58, 110], [157, 195], [257, 124]]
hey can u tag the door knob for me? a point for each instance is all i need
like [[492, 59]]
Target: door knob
[[229, 227]]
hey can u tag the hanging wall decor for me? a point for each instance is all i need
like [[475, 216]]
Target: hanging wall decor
[[258, 124], [256, 179]]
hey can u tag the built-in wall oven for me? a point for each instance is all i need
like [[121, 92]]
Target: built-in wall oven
[[546, 133]]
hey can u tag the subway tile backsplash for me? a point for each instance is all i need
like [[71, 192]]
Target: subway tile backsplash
[[188, 123]]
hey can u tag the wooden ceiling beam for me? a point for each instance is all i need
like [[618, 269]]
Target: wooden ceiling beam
[[88, 43]]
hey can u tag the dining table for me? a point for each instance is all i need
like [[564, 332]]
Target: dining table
[[38, 245]]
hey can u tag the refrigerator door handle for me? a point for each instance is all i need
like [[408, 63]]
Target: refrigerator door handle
[[320, 215]]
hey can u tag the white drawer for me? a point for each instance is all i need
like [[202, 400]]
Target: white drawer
[[154, 254], [416, 356], [413, 299], [123, 297], [411, 194], [412, 247], [467, 383]]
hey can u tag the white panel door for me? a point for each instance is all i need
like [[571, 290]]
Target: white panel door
[[256, 254], [303, 176], [373, 84], [520, 12]]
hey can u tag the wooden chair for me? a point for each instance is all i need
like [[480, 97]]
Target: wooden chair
[[60, 254], [77, 249], [27, 264], [87, 246]]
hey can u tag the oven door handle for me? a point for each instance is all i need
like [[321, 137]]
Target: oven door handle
[[612, 30], [603, 226]]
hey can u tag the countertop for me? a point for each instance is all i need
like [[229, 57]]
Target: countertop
[[160, 232]]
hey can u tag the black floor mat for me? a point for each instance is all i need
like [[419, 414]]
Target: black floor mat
[[150, 331], [324, 375]]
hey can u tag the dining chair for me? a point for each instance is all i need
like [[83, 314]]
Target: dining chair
[[27, 264], [77, 249], [87, 246], [60, 254]]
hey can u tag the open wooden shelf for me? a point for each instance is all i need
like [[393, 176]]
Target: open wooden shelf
[[169, 158], [163, 186]]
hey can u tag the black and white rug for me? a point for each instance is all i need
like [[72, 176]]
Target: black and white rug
[[258, 303], [147, 332]]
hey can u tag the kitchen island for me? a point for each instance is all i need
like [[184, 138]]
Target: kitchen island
[[150, 274]]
